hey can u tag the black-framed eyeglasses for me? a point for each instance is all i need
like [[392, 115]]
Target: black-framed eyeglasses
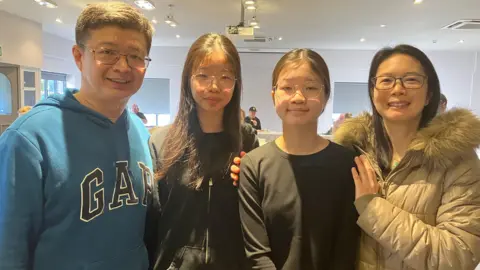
[[410, 81], [224, 81], [310, 91], [110, 57]]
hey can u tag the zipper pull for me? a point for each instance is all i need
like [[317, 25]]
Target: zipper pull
[[210, 182]]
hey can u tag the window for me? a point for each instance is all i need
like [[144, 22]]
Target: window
[[151, 119], [153, 99], [349, 97], [157, 119], [53, 83], [5, 95]]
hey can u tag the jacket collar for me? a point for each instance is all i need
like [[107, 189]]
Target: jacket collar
[[446, 140]]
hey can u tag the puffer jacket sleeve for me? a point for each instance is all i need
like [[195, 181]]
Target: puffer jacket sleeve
[[454, 243]]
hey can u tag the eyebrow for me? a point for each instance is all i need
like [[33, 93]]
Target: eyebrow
[[407, 73], [131, 48], [308, 79]]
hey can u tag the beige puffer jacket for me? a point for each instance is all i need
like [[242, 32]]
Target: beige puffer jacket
[[428, 214]]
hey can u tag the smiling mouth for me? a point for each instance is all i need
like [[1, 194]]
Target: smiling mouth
[[120, 81], [398, 104]]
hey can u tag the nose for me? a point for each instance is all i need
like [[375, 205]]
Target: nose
[[213, 84], [122, 64], [398, 88], [298, 96]]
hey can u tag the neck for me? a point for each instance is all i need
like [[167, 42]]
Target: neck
[[401, 135], [301, 139], [112, 109], [210, 122]]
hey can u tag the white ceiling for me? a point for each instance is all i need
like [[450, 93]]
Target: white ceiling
[[321, 24]]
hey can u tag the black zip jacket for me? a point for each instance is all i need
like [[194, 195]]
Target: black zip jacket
[[190, 228]]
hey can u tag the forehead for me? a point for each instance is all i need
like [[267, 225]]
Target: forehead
[[217, 60], [293, 71], [399, 64], [113, 36]]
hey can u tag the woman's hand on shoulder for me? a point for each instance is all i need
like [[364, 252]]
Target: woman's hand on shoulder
[[364, 177], [235, 168]]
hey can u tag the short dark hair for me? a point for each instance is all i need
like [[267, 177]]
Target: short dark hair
[[123, 15], [383, 145], [443, 98]]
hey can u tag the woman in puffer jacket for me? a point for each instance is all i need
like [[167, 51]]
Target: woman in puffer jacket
[[418, 176]]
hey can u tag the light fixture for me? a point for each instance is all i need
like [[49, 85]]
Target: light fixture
[[254, 21], [169, 19], [362, 40], [417, 1], [154, 21], [461, 41], [58, 20], [251, 7], [383, 25], [145, 4], [249, 2], [47, 3], [257, 26], [280, 38], [177, 36]]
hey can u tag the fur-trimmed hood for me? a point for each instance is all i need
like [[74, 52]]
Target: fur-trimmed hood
[[447, 138]]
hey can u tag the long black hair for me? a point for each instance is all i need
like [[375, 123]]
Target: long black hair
[[383, 147], [181, 146]]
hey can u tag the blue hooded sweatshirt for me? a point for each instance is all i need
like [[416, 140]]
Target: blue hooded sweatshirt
[[73, 189]]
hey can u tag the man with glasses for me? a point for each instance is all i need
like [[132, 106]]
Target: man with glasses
[[75, 172]]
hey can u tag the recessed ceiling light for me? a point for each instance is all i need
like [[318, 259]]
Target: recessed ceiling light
[[58, 20], [47, 3], [461, 41], [251, 7], [417, 1], [144, 4], [178, 36], [383, 25], [172, 24], [154, 21], [280, 38], [249, 2], [362, 40]]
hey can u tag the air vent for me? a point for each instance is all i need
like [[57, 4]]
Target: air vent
[[464, 25], [256, 39]]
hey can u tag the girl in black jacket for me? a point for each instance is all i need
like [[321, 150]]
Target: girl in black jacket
[[193, 220]]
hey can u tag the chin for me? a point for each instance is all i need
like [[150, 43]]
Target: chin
[[297, 121], [121, 93], [399, 117], [208, 108]]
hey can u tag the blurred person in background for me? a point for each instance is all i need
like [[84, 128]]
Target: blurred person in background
[[252, 118], [136, 110]]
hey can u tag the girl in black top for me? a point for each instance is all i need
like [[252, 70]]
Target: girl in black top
[[297, 193], [193, 220]]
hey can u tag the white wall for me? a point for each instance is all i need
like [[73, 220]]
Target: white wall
[[57, 57], [21, 41], [475, 97], [460, 80], [455, 69]]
